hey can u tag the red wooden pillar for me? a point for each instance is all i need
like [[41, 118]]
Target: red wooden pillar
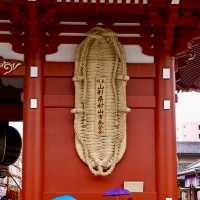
[[33, 108], [165, 128]]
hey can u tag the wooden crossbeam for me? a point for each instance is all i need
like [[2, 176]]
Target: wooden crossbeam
[[102, 9], [136, 2], [112, 2], [66, 69], [78, 39], [5, 38], [5, 26], [152, 18], [84, 28], [54, 42]]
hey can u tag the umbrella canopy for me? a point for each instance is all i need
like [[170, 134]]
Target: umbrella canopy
[[65, 197], [116, 192]]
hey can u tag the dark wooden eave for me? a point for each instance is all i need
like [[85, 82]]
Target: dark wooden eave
[[188, 68], [161, 25], [157, 26]]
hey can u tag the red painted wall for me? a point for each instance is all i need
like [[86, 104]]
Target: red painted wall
[[65, 173]]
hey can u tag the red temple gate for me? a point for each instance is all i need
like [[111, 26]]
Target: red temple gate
[[51, 166]]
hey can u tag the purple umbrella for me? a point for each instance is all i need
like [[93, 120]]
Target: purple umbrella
[[116, 192]]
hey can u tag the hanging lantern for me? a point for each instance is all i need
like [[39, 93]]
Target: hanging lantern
[[10, 145]]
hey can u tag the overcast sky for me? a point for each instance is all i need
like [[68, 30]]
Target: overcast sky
[[188, 107], [18, 126]]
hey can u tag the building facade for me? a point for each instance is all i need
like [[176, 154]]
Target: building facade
[[188, 131]]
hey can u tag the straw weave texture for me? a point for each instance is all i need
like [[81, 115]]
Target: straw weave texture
[[100, 80]]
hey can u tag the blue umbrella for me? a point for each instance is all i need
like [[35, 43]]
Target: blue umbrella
[[65, 197]]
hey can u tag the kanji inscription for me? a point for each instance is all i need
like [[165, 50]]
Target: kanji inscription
[[100, 105]]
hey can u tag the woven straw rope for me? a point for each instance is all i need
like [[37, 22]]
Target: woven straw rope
[[100, 79]]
